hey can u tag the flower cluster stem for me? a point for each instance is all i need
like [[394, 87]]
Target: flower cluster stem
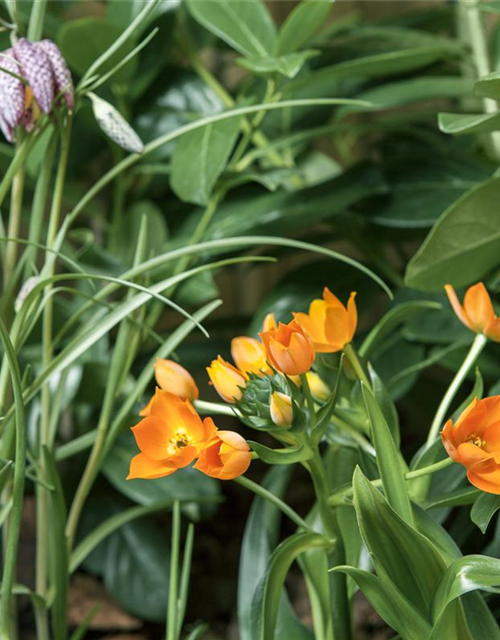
[[355, 363]]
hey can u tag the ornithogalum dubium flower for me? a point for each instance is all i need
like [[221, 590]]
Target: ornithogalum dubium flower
[[329, 323], [249, 355], [169, 438], [477, 312], [281, 409], [226, 456], [474, 442], [32, 76], [227, 380], [288, 348]]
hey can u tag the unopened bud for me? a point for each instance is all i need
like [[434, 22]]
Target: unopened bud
[[281, 409]]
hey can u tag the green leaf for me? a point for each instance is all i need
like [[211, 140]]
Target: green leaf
[[193, 175], [464, 575], [301, 24], [484, 509], [388, 459], [281, 456], [488, 86], [245, 26], [129, 226], [261, 536], [268, 595], [186, 484], [463, 246], [390, 604], [287, 65], [463, 124], [82, 41], [133, 561], [397, 550], [452, 624]]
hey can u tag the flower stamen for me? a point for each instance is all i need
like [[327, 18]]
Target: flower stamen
[[476, 440]]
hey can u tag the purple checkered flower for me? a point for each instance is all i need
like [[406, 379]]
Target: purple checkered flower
[[46, 77]]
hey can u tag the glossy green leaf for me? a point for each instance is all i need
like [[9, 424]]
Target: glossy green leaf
[[268, 595], [463, 246], [488, 86], [82, 41], [388, 459], [485, 507], [451, 624], [463, 124], [390, 604], [193, 175], [290, 455], [245, 26], [301, 24], [397, 550], [287, 65], [386, 405], [466, 574]]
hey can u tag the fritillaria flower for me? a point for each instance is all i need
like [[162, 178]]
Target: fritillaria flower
[[477, 312], [329, 323], [474, 442], [32, 76]]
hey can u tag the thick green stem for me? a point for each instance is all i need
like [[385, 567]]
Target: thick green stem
[[355, 363], [477, 346]]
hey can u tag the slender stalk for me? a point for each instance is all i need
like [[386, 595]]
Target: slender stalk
[[37, 15], [16, 204], [309, 399], [17, 491], [171, 622], [267, 495], [17, 162], [217, 408], [477, 346], [355, 363]]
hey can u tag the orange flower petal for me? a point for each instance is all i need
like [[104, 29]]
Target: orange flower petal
[[152, 435], [478, 307], [172, 377], [457, 307], [249, 355], [489, 482], [143, 467]]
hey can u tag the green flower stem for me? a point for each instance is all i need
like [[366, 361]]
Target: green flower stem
[[14, 526], [340, 498], [309, 399], [355, 363], [477, 346], [171, 622], [218, 408], [17, 162], [267, 495], [340, 610], [37, 16], [16, 204]]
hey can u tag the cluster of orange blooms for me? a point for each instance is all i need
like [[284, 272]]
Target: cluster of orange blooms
[[172, 435]]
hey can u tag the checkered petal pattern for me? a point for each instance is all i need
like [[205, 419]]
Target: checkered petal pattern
[[11, 94], [61, 73], [37, 69]]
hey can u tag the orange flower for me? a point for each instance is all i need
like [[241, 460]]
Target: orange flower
[[249, 355], [169, 438], [288, 348], [171, 377], [477, 312], [474, 442], [227, 380], [329, 323], [227, 456]]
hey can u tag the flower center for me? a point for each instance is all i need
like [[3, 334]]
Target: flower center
[[479, 442], [180, 440]]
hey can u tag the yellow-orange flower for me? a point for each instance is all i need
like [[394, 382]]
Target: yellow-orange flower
[[172, 377], [329, 323], [281, 409], [169, 438], [477, 312], [318, 388], [249, 355], [289, 348], [227, 380], [474, 442], [269, 322], [227, 456]]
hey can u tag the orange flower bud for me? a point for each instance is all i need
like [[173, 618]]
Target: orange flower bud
[[318, 388], [227, 380], [288, 348], [169, 438], [249, 355], [281, 409], [477, 312], [329, 323], [173, 378], [474, 442], [226, 456]]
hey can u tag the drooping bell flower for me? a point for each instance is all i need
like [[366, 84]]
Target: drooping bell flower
[[227, 456], [249, 355], [32, 76], [329, 323], [474, 442], [288, 348], [169, 438], [477, 312], [227, 380]]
